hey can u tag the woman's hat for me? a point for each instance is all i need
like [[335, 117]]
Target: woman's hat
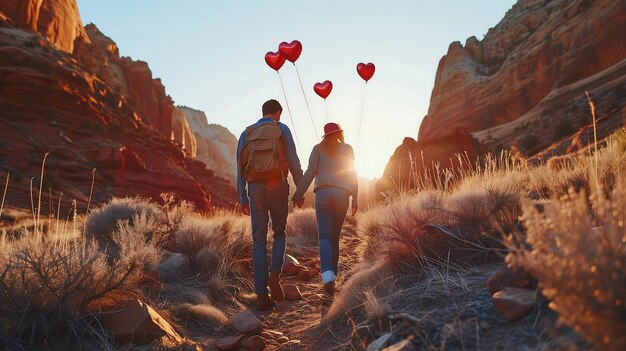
[[331, 128]]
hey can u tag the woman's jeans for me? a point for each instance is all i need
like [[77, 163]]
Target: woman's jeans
[[268, 200], [331, 206]]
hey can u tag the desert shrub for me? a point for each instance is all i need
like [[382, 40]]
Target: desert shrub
[[370, 280], [102, 222], [216, 248], [49, 287], [390, 231], [224, 234], [301, 230], [579, 256], [434, 227]]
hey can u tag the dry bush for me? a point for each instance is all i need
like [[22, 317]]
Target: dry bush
[[216, 248], [419, 249], [578, 254], [206, 240], [433, 227], [103, 221], [49, 287], [301, 230], [369, 281]]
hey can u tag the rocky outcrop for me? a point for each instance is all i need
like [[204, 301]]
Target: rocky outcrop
[[413, 161], [50, 103], [182, 133], [134, 322], [132, 78], [523, 87], [216, 146], [57, 20], [539, 47]]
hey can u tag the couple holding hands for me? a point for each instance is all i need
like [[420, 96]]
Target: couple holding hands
[[266, 153]]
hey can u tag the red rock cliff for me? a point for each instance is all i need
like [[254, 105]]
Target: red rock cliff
[[52, 103], [57, 20], [539, 46], [133, 78]]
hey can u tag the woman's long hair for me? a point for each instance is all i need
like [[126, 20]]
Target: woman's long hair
[[330, 142]]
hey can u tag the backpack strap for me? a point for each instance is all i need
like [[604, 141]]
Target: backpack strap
[[250, 131]]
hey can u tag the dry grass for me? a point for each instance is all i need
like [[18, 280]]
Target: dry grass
[[49, 287], [575, 246], [420, 248], [211, 265], [55, 278], [301, 231]]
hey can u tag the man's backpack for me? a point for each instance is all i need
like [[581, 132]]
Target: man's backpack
[[263, 156]]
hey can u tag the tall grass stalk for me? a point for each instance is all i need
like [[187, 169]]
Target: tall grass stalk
[[39, 231], [592, 106], [93, 180], [58, 218], [4, 194], [32, 201]]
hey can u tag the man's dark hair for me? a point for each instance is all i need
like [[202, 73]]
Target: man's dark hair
[[270, 107]]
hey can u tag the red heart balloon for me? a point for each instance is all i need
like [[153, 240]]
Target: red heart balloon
[[291, 51], [275, 60], [323, 89], [366, 71]]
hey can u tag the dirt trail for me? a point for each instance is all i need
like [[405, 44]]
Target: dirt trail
[[298, 320]]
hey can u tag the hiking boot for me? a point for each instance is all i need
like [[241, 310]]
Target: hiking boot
[[329, 289], [329, 294], [276, 290], [264, 302]]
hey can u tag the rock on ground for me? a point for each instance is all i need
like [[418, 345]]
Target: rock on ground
[[379, 343], [404, 345], [228, 343], [136, 322], [292, 292], [254, 343], [514, 303], [245, 322]]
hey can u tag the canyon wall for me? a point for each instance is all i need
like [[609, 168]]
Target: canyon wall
[[215, 145], [69, 98], [523, 87], [58, 20], [539, 46]]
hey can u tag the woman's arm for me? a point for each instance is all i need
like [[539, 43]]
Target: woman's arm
[[310, 173]]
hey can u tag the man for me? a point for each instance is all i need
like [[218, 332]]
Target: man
[[265, 154]]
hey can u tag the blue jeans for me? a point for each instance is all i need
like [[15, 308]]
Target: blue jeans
[[331, 206], [268, 199]]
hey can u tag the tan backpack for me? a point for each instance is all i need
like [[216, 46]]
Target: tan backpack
[[263, 156]]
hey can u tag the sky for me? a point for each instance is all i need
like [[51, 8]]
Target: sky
[[210, 56]]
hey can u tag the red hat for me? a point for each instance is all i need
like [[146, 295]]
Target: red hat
[[331, 128]]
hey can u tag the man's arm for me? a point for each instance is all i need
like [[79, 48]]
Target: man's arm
[[310, 173], [241, 183], [292, 155]]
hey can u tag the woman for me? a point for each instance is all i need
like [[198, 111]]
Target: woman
[[332, 165]]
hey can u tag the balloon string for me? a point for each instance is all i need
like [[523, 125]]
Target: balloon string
[[326, 109], [358, 140], [307, 102], [289, 110]]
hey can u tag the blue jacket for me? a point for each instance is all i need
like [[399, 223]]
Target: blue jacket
[[292, 158]]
